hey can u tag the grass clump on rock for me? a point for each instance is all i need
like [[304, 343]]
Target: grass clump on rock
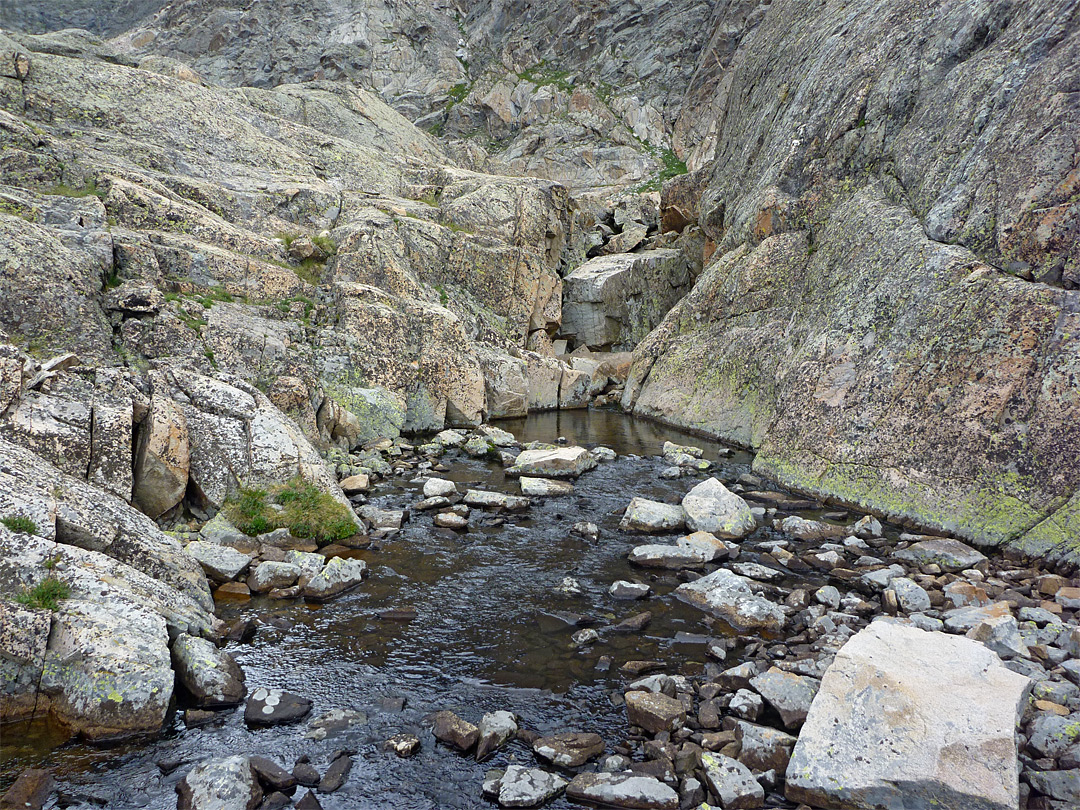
[[46, 595], [298, 505], [20, 524]]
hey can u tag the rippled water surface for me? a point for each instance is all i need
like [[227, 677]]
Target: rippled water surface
[[479, 641]]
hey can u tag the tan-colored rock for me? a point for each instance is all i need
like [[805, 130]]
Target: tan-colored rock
[[162, 458]]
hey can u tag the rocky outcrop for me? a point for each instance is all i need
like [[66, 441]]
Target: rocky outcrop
[[613, 302], [953, 709], [890, 316]]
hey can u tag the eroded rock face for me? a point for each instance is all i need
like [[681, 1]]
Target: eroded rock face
[[875, 285], [952, 710]]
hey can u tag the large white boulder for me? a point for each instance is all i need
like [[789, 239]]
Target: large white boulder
[[566, 462], [644, 515], [906, 717], [712, 507]]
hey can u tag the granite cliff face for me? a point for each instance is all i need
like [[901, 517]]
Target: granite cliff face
[[878, 230]]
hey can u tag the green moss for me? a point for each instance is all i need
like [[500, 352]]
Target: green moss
[[46, 595], [20, 524], [670, 165], [304, 509], [543, 75], [458, 92], [62, 190]]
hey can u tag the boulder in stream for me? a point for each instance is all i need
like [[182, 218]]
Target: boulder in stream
[[211, 676], [729, 597], [644, 515], [712, 507], [565, 462], [629, 790], [518, 786]]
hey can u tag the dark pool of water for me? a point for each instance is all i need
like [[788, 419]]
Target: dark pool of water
[[478, 642]]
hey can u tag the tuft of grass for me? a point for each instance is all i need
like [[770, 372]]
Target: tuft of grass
[[325, 244], [543, 74], [304, 509], [62, 190], [458, 92], [46, 595], [309, 270], [20, 524], [444, 299]]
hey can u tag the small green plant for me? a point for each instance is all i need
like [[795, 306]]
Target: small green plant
[[444, 299], [304, 509], [543, 75], [46, 595], [458, 92], [430, 199], [325, 244], [20, 524], [287, 238], [62, 190], [209, 355], [51, 562], [309, 270]]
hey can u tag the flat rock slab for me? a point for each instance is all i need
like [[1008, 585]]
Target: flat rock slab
[[627, 790], [566, 462], [485, 499], [569, 749], [906, 718], [221, 563], [729, 597], [272, 707], [951, 555], [643, 515], [545, 487]]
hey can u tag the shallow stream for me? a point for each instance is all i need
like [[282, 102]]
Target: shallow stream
[[479, 641]]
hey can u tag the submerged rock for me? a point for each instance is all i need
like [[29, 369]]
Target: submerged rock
[[904, 715], [545, 487], [271, 707], [626, 790], [452, 730]]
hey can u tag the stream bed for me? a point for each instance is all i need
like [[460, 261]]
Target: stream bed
[[485, 636]]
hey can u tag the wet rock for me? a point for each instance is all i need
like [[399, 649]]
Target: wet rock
[[30, 791], [404, 745], [654, 712], [670, 448], [336, 774], [452, 730], [275, 801], [565, 462], [220, 784], [590, 531], [762, 748], [625, 790], [269, 575], [495, 728], [210, 675], [583, 638], [305, 773], [309, 802], [439, 487], [729, 597], [756, 571], [221, 563], [950, 555], [712, 507], [643, 515], [545, 487], [449, 520], [523, 787], [569, 749], [495, 500], [272, 707], [621, 589], [336, 577], [939, 696], [273, 776], [788, 693], [731, 782], [909, 595]]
